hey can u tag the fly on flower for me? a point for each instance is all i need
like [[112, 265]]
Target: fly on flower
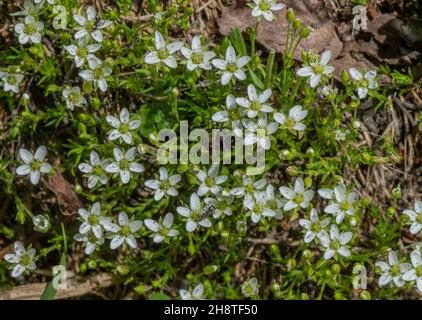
[[91, 25]]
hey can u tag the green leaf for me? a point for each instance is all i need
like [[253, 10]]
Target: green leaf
[[237, 40], [159, 296]]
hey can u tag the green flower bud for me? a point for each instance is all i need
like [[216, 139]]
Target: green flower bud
[[140, 289], [336, 268], [92, 264], [305, 32], [308, 182], [304, 296], [345, 77], [225, 234], [297, 24], [391, 211], [307, 254], [210, 269], [290, 15], [275, 286], [396, 192], [291, 264], [365, 295], [122, 270], [292, 171], [310, 152]]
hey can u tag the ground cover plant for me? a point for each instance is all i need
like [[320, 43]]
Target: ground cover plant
[[92, 193]]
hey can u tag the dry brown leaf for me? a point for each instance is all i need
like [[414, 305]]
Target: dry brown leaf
[[67, 198]]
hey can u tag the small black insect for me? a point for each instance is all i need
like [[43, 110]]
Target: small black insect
[[207, 210], [98, 22]]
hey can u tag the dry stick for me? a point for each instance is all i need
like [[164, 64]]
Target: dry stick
[[75, 289]]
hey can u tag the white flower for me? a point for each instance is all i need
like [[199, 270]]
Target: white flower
[[393, 270], [73, 97], [91, 220], [197, 56], [415, 217], [296, 197], [342, 201], [259, 207], [166, 184], [22, 259], [91, 242], [265, 8], [33, 165], [90, 25], [293, 121], [97, 73], [259, 132], [162, 229], [232, 113], [314, 226], [122, 127], [11, 81], [95, 170], [256, 103], [124, 231], [29, 30], [317, 68], [82, 51], [274, 202], [124, 164], [364, 82], [29, 8], [220, 205], [210, 182], [196, 294], [250, 287], [163, 52], [195, 214], [335, 242], [249, 188], [415, 273], [231, 66]]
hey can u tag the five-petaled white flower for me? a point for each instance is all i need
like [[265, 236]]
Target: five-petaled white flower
[[297, 196], [73, 97], [196, 294], [415, 272], [415, 217], [342, 201], [393, 270], [231, 113], [122, 126], [293, 121], [163, 52], [219, 205], [364, 82], [82, 51], [95, 170], [91, 220], [259, 206], [265, 8], [33, 165], [90, 25], [250, 287], [231, 66], [98, 73], [210, 181], [162, 229], [29, 30], [124, 164], [197, 56], [195, 214], [259, 132], [22, 259], [314, 226], [316, 68], [255, 103], [124, 231], [335, 242], [11, 81], [165, 185], [249, 188], [90, 241]]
